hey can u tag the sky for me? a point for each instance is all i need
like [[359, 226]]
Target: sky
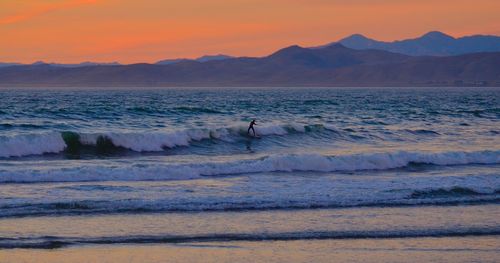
[[133, 31]]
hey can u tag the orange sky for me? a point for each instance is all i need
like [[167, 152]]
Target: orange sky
[[129, 31]]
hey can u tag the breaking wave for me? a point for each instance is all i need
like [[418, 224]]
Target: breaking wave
[[55, 142], [272, 163], [30, 144]]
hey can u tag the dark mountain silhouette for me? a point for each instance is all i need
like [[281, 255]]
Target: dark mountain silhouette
[[335, 65], [200, 59], [83, 64], [213, 57], [431, 44], [172, 61], [5, 64]]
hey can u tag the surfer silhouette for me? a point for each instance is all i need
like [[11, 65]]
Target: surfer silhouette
[[250, 127]]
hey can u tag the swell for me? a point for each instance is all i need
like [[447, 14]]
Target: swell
[[7, 126], [272, 163], [141, 207], [174, 110], [444, 192], [52, 242], [197, 110]]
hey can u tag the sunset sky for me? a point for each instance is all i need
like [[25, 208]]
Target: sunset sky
[[130, 31]]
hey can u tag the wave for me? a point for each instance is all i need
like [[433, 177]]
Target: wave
[[158, 141], [272, 163], [196, 110], [51, 242], [55, 142], [422, 132], [444, 192], [31, 144], [7, 126], [146, 110], [100, 207]]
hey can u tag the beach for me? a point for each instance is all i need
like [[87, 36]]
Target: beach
[[463, 249], [430, 234]]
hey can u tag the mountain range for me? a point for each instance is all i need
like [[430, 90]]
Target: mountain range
[[330, 65], [431, 44], [335, 65], [200, 59], [83, 64]]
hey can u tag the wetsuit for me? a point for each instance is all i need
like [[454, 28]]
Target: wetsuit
[[251, 128]]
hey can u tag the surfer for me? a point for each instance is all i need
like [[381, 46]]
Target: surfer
[[251, 128]]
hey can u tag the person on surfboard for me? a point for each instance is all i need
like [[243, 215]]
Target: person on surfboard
[[251, 128]]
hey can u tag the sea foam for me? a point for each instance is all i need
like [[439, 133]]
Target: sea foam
[[272, 163], [31, 144], [54, 142]]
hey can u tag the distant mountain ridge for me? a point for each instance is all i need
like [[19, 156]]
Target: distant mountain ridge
[[86, 64], [6, 64], [434, 43], [200, 59], [334, 65], [83, 64]]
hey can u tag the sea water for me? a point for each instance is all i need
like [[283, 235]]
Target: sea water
[[177, 165]]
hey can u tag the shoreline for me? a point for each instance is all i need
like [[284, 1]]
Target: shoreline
[[444, 249]]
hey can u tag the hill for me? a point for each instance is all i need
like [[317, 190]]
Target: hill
[[335, 65], [431, 44]]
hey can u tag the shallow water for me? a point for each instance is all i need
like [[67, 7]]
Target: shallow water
[[93, 153], [442, 249]]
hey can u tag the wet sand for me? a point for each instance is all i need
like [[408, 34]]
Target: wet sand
[[455, 249]]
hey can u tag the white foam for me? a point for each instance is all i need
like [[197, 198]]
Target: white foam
[[31, 144], [270, 130], [331, 127], [156, 141], [275, 163], [297, 127], [152, 141]]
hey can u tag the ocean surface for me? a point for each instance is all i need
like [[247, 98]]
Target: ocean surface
[[176, 165]]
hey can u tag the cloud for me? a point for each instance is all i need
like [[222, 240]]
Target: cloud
[[43, 9]]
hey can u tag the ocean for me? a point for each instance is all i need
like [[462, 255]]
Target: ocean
[[82, 167]]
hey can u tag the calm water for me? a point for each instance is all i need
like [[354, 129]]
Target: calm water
[[184, 155]]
